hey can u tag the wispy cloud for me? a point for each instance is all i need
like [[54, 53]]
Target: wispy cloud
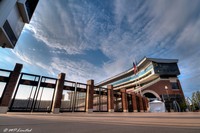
[[166, 29], [121, 30], [73, 27]]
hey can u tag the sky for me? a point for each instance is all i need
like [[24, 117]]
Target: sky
[[97, 39]]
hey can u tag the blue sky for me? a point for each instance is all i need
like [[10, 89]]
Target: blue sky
[[96, 39]]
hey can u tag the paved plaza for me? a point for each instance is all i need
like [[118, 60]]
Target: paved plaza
[[100, 122]]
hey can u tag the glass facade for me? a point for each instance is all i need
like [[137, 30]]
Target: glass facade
[[134, 77], [166, 68]]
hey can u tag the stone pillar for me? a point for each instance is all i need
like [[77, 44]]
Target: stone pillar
[[110, 98], [134, 102], [9, 89], [124, 100], [89, 98], [58, 93], [140, 103]]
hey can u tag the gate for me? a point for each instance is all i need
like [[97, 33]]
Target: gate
[[118, 102], [73, 97], [4, 77], [100, 99], [25, 93], [130, 104], [45, 94]]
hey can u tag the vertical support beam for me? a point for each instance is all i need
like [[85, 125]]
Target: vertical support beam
[[124, 100], [89, 98], [140, 103], [58, 93], [110, 98], [134, 102], [9, 89]]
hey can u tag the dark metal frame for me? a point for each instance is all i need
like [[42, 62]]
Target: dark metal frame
[[42, 85], [117, 101], [33, 83], [75, 88], [130, 104], [101, 93]]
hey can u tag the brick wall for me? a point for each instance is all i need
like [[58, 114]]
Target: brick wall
[[159, 88]]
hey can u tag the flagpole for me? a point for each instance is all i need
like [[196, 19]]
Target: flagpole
[[138, 80], [137, 76]]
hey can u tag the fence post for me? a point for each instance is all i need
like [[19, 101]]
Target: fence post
[[58, 93], [124, 100], [89, 98], [9, 89], [110, 98]]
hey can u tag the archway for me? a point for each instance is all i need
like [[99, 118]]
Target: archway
[[149, 95], [152, 95]]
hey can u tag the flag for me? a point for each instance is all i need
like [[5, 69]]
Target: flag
[[134, 68]]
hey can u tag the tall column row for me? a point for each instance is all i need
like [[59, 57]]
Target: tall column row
[[139, 103]]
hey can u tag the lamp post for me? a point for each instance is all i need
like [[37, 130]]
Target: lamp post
[[166, 88]]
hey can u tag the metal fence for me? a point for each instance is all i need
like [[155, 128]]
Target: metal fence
[[100, 99]]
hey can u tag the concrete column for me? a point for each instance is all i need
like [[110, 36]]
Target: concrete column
[[89, 98], [124, 100], [134, 102], [140, 103], [58, 93], [110, 98], [9, 89]]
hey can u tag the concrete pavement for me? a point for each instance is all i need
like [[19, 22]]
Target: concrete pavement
[[188, 122]]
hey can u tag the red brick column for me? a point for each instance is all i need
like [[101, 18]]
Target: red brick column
[[9, 89], [140, 103], [110, 98], [134, 102], [89, 98], [58, 93], [144, 100], [147, 103], [124, 100]]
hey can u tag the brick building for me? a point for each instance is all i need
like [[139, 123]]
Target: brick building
[[155, 79]]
